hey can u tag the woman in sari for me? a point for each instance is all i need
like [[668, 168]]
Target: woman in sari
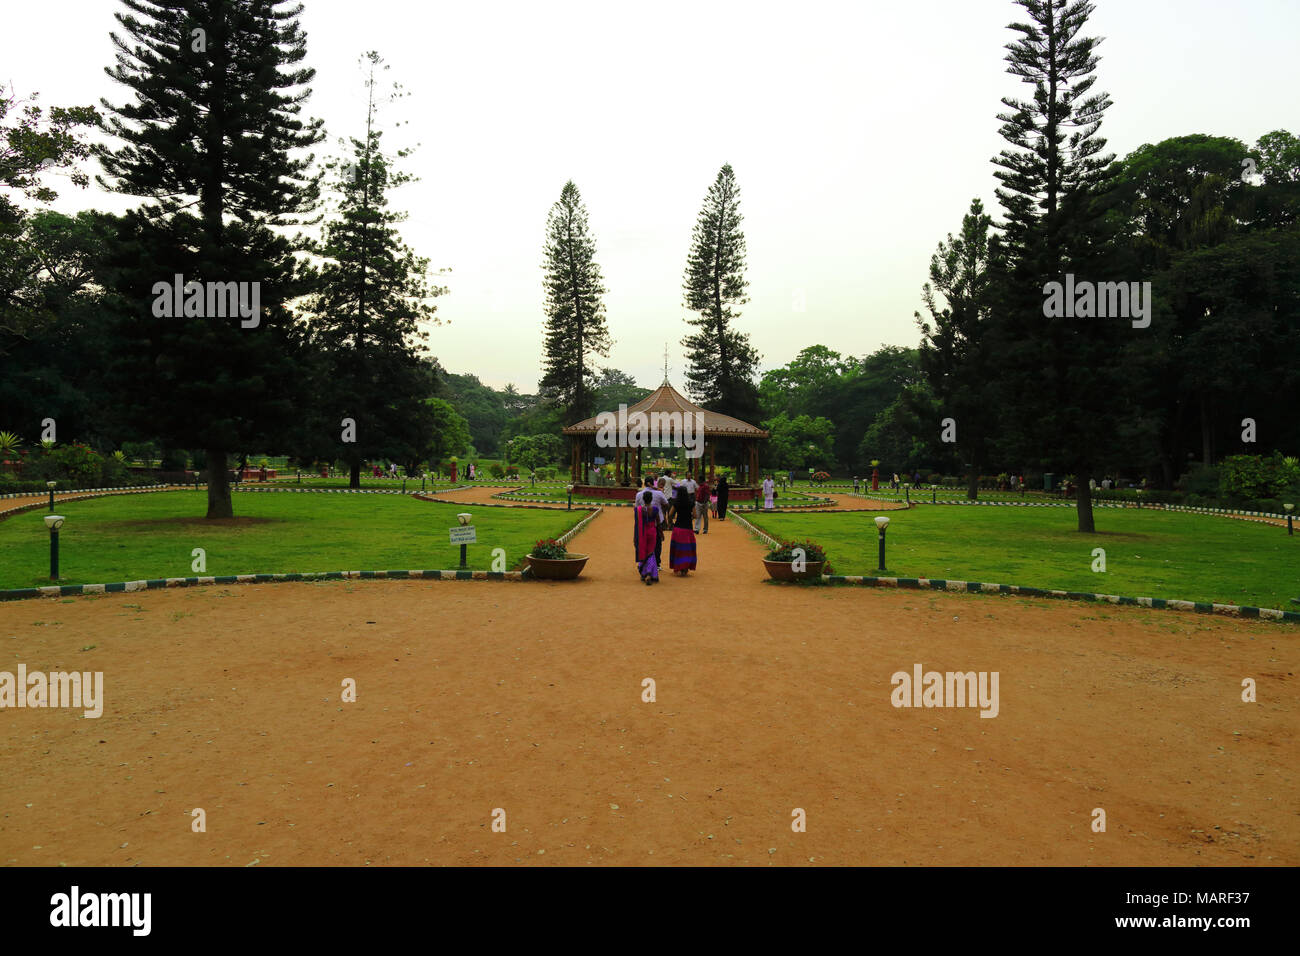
[[681, 547], [769, 492], [723, 492], [647, 537]]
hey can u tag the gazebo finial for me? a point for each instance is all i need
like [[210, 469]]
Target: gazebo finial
[[665, 363]]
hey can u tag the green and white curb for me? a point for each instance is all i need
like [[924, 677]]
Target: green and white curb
[[974, 587], [921, 499], [89, 491], [83, 495], [153, 584], [813, 504], [977, 587]]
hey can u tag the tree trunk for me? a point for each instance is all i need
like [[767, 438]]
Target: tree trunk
[[354, 475], [219, 503], [1083, 500], [1207, 451]]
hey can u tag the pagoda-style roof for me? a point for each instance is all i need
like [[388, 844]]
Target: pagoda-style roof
[[666, 399]]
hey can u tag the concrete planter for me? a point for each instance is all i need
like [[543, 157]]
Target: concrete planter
[[557, 569], [784, 570]]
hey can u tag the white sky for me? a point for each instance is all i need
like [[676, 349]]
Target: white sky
[[859, 132]]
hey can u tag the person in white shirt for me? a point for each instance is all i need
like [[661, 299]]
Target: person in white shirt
[[769, 490]]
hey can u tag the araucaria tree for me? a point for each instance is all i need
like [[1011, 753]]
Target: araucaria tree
[[370, 296], [211, 139], [1059, 374], [575, 314], [722, 363], [956, 353]]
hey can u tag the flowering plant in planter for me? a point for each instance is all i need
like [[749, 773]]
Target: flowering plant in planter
[[813, 552], [550, 549], [780, 561]]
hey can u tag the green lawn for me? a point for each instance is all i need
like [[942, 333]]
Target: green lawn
[[1148, 553], [134, 537]]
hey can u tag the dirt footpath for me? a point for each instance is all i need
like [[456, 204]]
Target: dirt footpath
[[528, 698]]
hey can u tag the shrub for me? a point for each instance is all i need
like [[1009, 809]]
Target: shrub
[[496, 471], [512, 471], [1200, 480], [1257, 476], [76, 463], [549, 549], [785, 551], [9, 445], [821, 477]]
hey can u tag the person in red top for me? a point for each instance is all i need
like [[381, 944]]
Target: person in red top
[[702, 505]]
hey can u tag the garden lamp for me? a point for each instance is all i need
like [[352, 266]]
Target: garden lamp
[[882, 523], [570, 497], [50, 485], [54, 523], [1289, 508], [463, 518]]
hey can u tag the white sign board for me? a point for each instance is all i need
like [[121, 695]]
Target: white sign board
[[466, 534]]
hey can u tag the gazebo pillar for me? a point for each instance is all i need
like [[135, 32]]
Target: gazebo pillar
[[713, 464]]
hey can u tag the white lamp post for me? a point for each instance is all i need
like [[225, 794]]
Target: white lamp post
[[54, 523], [882, 523], [1289, 508]]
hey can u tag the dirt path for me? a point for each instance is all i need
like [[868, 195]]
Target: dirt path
[[528, 697]]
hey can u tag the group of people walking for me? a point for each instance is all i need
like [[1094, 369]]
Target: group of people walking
[[680, 509]]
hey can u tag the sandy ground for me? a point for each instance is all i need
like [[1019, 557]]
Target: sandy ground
[[473, 696]]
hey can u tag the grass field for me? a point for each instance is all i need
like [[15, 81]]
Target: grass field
[[1148, 553], [134, 537]]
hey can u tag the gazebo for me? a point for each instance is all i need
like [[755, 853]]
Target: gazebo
[[673, 420]]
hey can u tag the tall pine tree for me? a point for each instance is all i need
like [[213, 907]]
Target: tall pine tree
[[722, 363], [1058, 373], [370, 297], [214, 126], [575, 329], [956, 353]]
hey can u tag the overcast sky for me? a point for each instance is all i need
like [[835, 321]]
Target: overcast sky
[[859, 133]]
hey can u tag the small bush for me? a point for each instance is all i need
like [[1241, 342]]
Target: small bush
[[1257, 476], [496, 471], [813, 551], [549, 549], [1200, 480]]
